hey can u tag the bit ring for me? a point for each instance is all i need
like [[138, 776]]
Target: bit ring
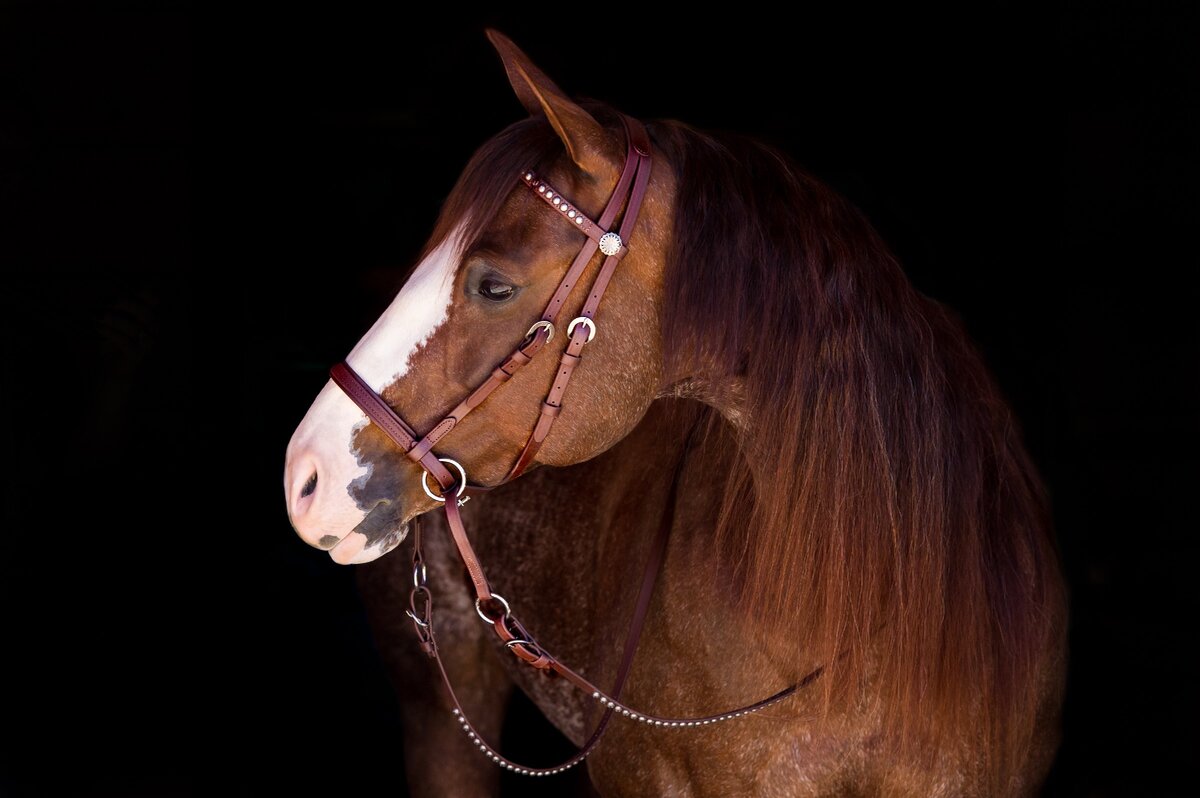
[[462, 485]]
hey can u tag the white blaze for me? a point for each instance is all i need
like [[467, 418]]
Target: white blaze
[[325, 438], [384, 353]]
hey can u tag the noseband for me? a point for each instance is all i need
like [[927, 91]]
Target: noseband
[[455, 490]]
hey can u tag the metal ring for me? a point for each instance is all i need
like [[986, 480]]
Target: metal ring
[[486, 619], [416, 620], [586, 322], [543, 323], [422, 580], [462, 472]]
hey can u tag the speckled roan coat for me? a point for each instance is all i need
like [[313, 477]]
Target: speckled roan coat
[[859, 499]]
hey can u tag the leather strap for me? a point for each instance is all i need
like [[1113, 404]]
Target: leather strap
[[373, 405], [570, 357], [393, 426], [607, 217], [577, 217], [458, 532]]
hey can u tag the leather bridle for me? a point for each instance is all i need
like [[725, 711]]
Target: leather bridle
[[455, 491]]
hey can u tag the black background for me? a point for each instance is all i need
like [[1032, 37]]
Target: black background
[[202, 209]]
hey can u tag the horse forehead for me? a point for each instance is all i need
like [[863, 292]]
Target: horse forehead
[[385, 353]]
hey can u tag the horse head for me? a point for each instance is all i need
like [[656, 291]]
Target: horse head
[[495, 259]]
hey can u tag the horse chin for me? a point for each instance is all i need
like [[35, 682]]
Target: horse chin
[[357, 548]]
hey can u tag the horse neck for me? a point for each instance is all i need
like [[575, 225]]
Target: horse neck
[[600, 517]]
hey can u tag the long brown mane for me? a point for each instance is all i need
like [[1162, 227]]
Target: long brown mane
[[884, 508]]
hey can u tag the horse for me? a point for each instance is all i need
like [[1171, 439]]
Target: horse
[[803, 462]]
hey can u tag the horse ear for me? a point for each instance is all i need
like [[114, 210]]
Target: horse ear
[[583, 136]]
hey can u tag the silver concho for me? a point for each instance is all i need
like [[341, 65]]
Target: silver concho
[[610, 243]]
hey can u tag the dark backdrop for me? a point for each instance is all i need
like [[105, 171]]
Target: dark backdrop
[[202, 210]]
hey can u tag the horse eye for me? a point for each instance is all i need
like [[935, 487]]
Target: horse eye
[[495, 290]]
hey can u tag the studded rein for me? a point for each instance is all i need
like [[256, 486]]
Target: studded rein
[[455, 489]]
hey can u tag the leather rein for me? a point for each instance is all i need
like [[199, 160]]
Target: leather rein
[[455, 490]]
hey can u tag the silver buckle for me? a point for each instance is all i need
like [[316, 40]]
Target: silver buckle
[[539, 324], [586, 322]]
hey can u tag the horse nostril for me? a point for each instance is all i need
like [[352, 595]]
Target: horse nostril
[[309, 486]]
